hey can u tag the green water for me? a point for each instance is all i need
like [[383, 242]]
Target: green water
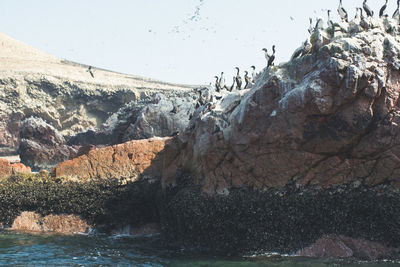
[[21, 249]]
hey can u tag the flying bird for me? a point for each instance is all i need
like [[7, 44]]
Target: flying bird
[[90, 71]]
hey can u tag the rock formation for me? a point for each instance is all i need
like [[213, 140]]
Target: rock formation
[[41, 145], [67, 224], [62, 93], [312, 149], [7, 168], [126, 162], [325, 119]]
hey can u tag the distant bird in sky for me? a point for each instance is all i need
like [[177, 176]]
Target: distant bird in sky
[[90, 71]]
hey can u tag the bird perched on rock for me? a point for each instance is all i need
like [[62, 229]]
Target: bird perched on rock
[[367, 9], [233, 84], [266, 54], [363, 23], [253, 74], [238, 79], [304, 49], [311, 28], [330, 22], [396, 14], [342, 12], [90, 71], [222, 81], [382, 10], [217, 86], [320, 24], [247, 80], [271, 58]]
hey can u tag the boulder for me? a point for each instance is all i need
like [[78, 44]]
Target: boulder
[[67, 224], [5, 168], [338, 246], [127, 161], [41, 145], [19, 167]]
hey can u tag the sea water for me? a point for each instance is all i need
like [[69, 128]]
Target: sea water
[[28, 249]]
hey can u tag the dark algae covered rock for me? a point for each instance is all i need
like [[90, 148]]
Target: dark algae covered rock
[[104, 204]]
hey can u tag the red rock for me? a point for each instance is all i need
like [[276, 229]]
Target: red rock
[[31, 221], [19, 167], [333, 246], [125, 161], [5, 168]]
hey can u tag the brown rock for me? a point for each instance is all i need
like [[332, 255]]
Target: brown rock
[[125, 161], [333, 246], [5, 168], [19, 167], [31, 221], [27, 221]]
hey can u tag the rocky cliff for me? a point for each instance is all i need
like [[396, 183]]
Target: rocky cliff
[[311, 150], [327, 118], [104, 109]]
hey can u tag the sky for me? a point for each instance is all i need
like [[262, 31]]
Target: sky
[[179, 41]]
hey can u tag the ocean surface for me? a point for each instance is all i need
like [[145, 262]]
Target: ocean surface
[[25, 249]]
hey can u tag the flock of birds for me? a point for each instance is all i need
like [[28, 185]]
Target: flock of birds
[[306, 47], [248, 80]]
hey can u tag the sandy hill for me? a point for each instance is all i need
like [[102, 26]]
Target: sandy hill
[[17, 57]]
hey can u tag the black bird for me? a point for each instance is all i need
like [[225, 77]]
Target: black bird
[[90, 71], [342, 12], [367, 9], [174, 110], [396, 14], [247, 80], [217, 86], [383, 9], [272, 57], [238, 80], [253, 74], [330, 22], [233, 84], [311, 28]]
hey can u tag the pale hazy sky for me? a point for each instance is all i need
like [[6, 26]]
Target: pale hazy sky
[[181, 41]]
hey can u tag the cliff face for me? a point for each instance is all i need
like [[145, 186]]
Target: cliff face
[[325, 119], [67, 97]]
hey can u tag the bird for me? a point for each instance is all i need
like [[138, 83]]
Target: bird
[[253, 74], [320, 24], [330, 23], [396, 14], [217, 87], [233, 84], [357, 17], [272, 57], [90, 71], [367, 9], [342, 12], [363, 23], [266, 54], [311, 28], [383, 9], [307, 47], [222, 81], [238, 80], [299, 51], [247, 80]]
